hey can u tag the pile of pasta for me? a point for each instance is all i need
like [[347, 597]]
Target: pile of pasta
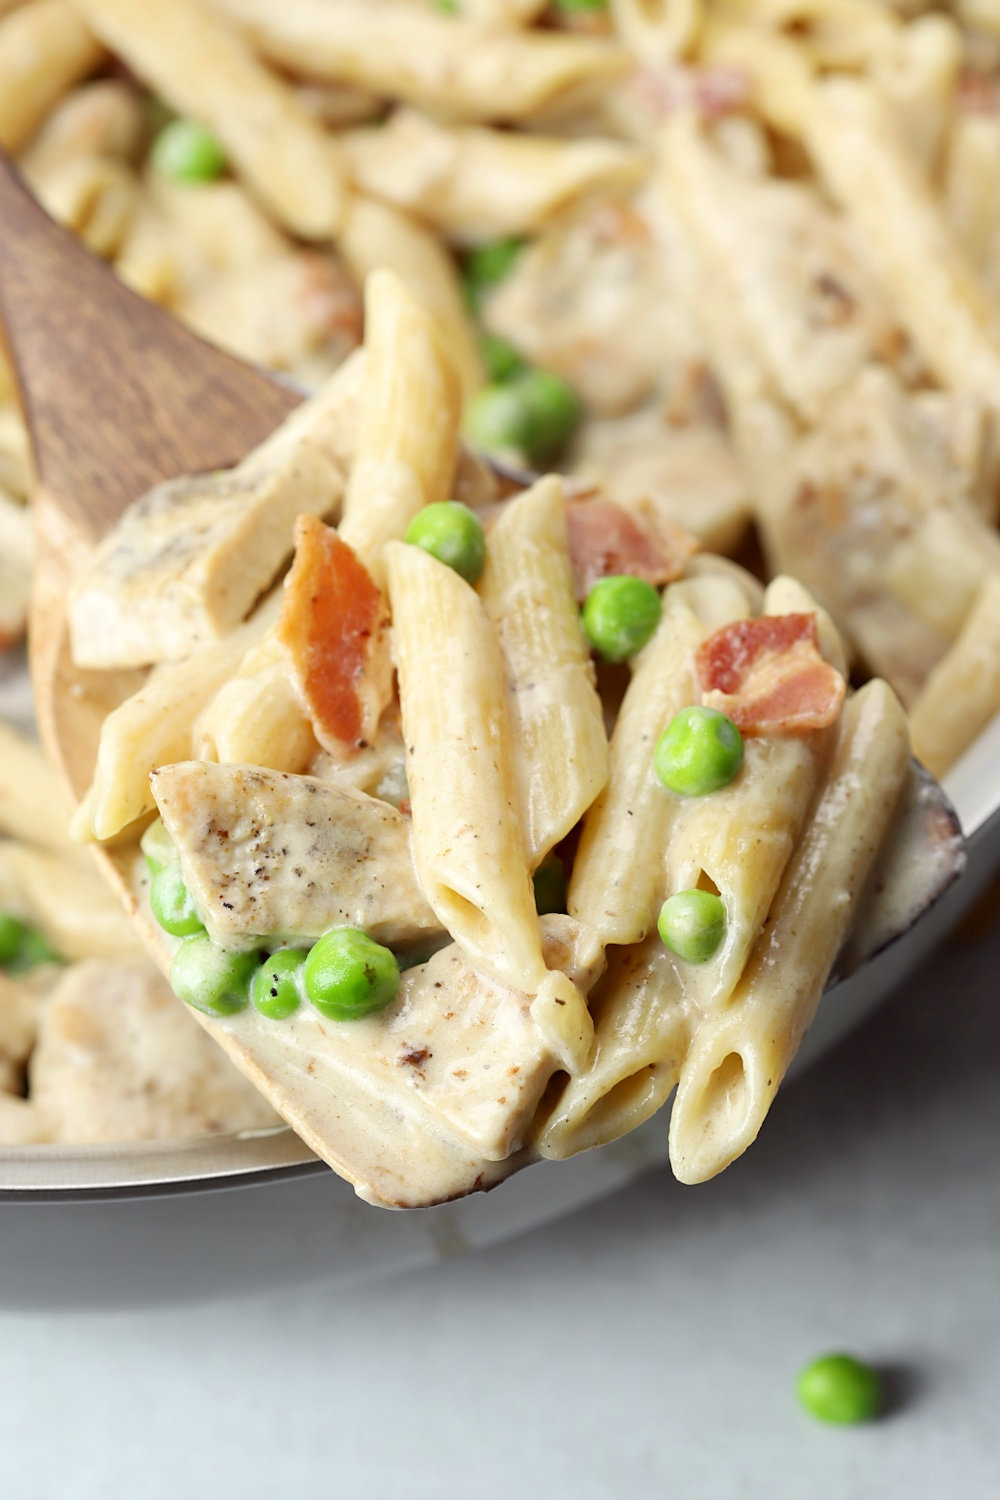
[[381, 745], [758, 238]]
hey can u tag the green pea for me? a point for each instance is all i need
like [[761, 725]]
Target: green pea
[[578, 5], [276, 988], [348, 975], [212, 979], [22, 946], [171, 904], [699, 751], [839, 1388], [447, 7], [12, 931], [692, 924], [35, 949], [157, 846], [487, 265], [498, 421], [533, 415], [453, 534], [503, 362], [185, 151], [550, 885], [619, 616]]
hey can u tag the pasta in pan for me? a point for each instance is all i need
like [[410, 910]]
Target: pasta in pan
[[733, 269]]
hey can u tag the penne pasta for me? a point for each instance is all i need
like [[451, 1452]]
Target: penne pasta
[[204, 69], [77, 914], [560, 748], [256, 717], [376, 236], [155, 726], [477, 184], [436, 62], [962, 693], [467, 840], [940, 300], [617, 883], [739, 1055], [45, 48], [407, 440], [33, 806]]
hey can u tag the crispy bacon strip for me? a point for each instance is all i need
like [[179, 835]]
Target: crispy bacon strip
[[604, 539], [335, 626], [768, 675]]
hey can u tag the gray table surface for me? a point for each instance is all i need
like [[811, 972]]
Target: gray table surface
[[645, 1346]]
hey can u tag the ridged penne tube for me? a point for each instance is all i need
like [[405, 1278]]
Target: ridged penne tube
[[204, 69], [618, 883], [742, 836], [441, 63], [642, 1028], [475, 184], [76, 912], [154, 727], [33, 806], [94, 196], [917, 75], [972, 184], [560, 747], [407, 438], [779, 72], [658, 31], [104, 118], [941, 301], [467, 841], [377, 235], [45, 48], [256, 718], [739, 1055], [962, 693]]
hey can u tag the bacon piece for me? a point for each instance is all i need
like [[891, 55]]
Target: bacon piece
[[335, 626], [605, 539], [768, 675]]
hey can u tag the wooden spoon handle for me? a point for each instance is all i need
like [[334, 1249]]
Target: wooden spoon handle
[[116, 394]]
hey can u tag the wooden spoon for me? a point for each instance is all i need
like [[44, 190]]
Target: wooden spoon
[[117, 397]]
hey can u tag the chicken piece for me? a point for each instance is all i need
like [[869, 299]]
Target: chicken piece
[[119, 1059], [868, 512], [600, 299], [187, 560], [267, 854]]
